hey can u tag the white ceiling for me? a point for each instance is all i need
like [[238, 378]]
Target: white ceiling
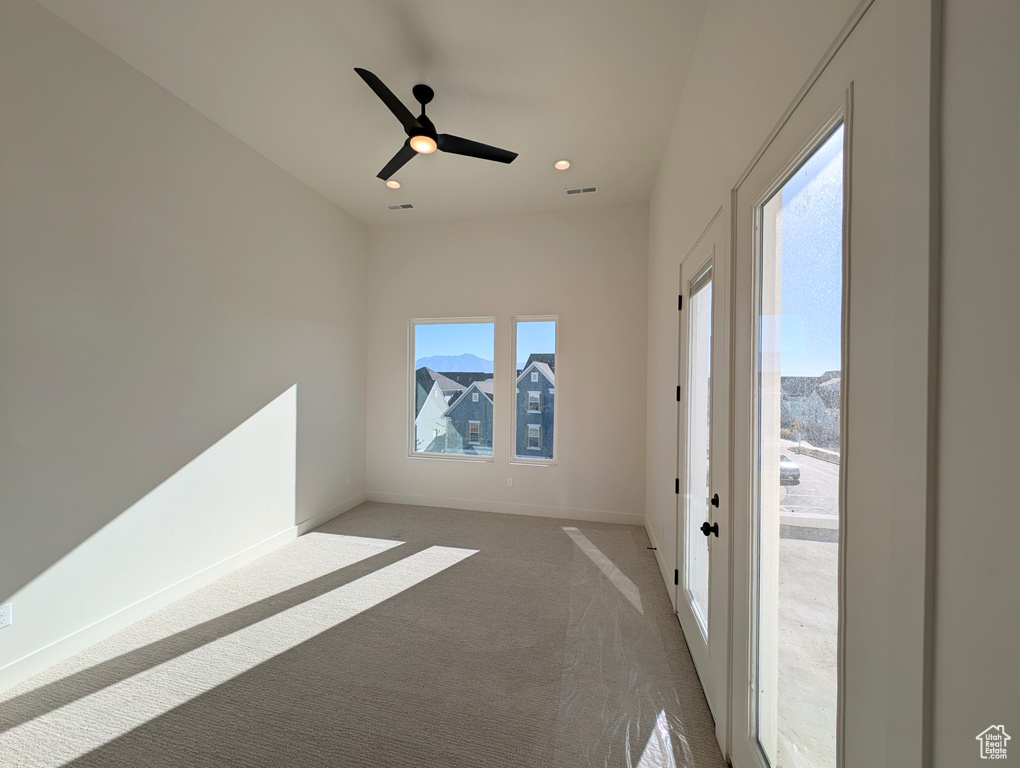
[[596, 81]]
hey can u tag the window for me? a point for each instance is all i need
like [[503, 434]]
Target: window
[[450, 401], [533, 406], [798, 369]]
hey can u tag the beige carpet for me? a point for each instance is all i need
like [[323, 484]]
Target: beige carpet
[[392, 636]]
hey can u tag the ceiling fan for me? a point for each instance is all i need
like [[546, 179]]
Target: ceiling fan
[[421, 133]]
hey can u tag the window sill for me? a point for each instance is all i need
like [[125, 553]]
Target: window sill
[[526, 461], [465, 457]]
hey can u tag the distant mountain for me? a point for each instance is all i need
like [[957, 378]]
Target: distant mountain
[[448, 363]]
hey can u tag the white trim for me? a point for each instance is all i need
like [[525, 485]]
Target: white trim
[[44, 658], [533, 510], [820, 67], [535, 366], [534, 392]]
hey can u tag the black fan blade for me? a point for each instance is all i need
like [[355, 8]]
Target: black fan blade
[[408, 120], [398, 161], [458, 146]]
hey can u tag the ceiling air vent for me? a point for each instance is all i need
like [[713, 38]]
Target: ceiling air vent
[[400, 207], [581, 190]]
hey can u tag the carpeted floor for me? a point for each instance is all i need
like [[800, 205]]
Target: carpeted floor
[[391, 636]]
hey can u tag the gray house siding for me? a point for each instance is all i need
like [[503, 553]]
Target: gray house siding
[[544, 419], [458, 418]]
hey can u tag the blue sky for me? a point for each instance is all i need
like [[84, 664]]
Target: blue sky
[[453, 339], [477, 339], [812, 266], [534, 337]]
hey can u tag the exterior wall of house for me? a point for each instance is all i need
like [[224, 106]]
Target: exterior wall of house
[[545, 418], [457, 419], [431, 423]]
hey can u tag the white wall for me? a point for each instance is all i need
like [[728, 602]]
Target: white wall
[[977, 563], [183, 342], [750, 61], [590, 268]]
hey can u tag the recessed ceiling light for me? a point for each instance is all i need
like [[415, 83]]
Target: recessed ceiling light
[[561, 165], [393, 184]]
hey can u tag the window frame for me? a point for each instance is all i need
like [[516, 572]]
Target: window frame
[[539, 408], [409, 417], [537, 461], [474, 426], [537, 436]]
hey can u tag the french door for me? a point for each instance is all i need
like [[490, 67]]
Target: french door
[[703, 525]]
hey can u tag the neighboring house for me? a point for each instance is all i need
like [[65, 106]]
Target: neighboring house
[[814, 402], [469, 420], [549, 358], [430, 403], [536, 404]]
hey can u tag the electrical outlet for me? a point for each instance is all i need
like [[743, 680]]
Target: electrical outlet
[[5, 615], [509, 482]]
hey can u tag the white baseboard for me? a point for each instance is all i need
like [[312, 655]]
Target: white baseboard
[[325, 517], [663, 568], [534, 510], [37, 661]]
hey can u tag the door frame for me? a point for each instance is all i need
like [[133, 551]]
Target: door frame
[[887, 55], [746, 401]]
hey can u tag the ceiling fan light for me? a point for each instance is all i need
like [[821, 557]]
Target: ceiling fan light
[[393, 184], [561, 165], [423, 144]]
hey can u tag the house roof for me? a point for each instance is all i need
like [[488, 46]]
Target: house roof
[[549, 358], [424, 380], [543, 368], [465, 378], [485, 387], [829, 391]]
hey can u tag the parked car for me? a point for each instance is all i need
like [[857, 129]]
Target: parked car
[[789, 473]]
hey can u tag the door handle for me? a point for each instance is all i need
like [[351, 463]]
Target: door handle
[[715, 500], [708, 530]]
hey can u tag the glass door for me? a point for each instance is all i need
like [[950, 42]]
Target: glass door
[[697, 493], [799, 360], [703, 522]]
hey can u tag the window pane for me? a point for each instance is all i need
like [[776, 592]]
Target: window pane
[[799, 406], [453, 388], [535, 400], [699, 409]]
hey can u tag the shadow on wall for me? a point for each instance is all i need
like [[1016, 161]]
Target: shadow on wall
[[233, 496]]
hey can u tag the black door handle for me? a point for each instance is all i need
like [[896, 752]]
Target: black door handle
[[708, 530], [715, 500]]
